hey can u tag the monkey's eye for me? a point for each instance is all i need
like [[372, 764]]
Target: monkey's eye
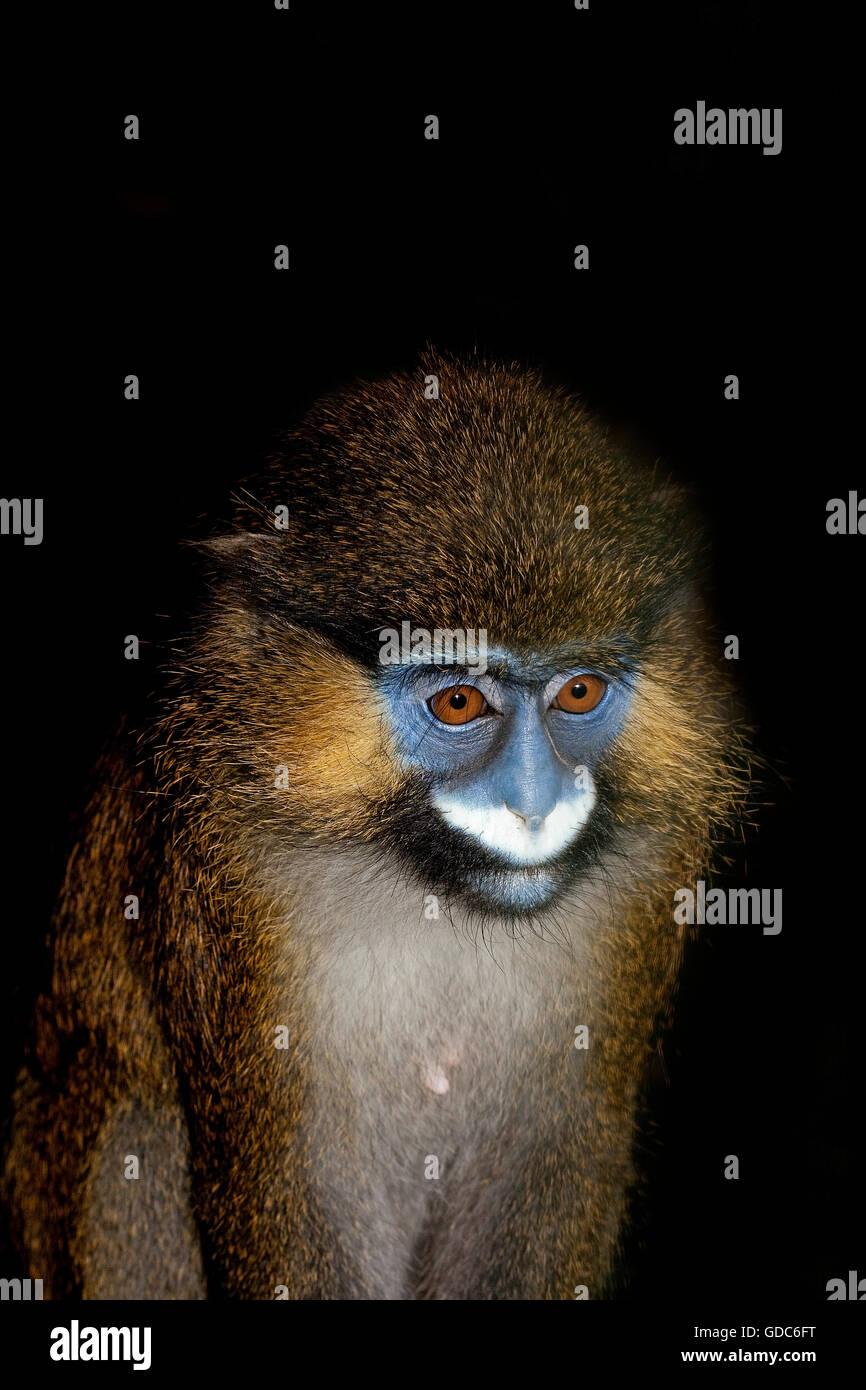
[[580, 694], [458, 704]]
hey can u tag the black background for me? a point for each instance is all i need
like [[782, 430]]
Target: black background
[[261, 127]]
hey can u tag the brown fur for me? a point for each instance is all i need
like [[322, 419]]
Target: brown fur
[[260, 907]]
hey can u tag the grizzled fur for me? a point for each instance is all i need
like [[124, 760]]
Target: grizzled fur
[[300, 899]]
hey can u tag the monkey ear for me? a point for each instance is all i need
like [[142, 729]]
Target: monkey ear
[[249, 562], [237, 551], [667, 494]]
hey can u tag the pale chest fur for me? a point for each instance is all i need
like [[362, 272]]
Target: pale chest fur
[[437, 1056]]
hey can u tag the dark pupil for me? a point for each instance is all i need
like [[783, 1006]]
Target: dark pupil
[[458, 700], [578, 691]]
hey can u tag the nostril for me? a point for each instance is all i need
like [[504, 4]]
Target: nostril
[[533, 823]]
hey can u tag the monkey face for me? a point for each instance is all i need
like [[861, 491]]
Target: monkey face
[[509, 765], [599, 717]]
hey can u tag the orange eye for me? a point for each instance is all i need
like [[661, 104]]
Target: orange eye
[[459, 704], [580, 694]]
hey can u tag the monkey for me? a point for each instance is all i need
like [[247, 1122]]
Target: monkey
[[406, 928]]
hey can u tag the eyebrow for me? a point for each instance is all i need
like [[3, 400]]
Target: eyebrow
[[616, 656], [613, 651]]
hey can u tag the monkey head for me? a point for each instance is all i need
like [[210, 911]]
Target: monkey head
[[501, 508]]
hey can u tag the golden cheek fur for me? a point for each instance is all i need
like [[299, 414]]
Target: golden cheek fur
[[671, 762], [330, 736]]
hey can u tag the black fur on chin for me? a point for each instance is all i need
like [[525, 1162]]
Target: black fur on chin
[[447, 861]]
